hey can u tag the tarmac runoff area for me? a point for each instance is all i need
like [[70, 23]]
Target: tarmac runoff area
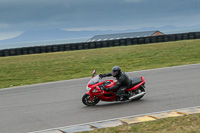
[[123, 121]]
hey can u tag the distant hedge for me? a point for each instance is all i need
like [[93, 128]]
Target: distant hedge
[[98, 44]]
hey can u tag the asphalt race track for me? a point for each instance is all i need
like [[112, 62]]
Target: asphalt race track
[[50, 105]]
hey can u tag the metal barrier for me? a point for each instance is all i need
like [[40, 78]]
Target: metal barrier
[[98, 44]]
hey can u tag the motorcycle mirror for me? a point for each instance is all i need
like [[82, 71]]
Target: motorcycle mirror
[[93, 73]]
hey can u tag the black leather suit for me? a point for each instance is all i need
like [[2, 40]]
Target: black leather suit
[[123, 82]]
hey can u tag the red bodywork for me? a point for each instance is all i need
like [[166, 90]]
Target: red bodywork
[[101, 94]]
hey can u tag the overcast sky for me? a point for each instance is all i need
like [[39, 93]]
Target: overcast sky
[[17, 16]]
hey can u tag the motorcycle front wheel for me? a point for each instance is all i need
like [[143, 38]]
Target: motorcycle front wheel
[[86, 99]]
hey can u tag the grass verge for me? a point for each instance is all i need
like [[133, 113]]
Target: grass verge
[[48, 67], [184, 124]]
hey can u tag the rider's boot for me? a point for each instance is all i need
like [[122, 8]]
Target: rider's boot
[[126, 96], [123, 97], [119, 98]]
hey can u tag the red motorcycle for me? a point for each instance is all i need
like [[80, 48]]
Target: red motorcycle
[[96, 91]]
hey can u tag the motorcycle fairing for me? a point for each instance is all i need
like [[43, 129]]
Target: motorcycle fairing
[[110, 96], [101, 94]]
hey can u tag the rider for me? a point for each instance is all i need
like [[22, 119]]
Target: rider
[[123, 82]]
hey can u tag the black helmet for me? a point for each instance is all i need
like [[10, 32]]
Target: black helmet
[[116, 71]]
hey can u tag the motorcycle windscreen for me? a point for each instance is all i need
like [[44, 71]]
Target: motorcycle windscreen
[[94, 80]]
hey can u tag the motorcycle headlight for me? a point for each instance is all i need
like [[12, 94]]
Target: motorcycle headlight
[[87, 88]]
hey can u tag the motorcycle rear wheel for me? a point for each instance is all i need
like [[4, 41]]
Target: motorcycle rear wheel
[[141, 89], [86, 99]]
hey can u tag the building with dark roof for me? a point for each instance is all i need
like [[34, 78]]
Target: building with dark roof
[[124, 35]]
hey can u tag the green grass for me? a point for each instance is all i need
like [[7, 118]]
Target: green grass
[[48, 67], [185, 124]]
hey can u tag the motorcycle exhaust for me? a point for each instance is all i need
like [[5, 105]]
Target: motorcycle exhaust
[[137, 96]]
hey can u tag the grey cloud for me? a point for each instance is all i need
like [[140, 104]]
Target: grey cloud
[[133, 1], [26, 14]]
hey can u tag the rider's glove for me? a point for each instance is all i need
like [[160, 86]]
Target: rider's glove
[[102, 75], [106, 89]]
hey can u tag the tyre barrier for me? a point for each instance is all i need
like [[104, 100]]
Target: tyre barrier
[[123, 121], [98, 44]]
